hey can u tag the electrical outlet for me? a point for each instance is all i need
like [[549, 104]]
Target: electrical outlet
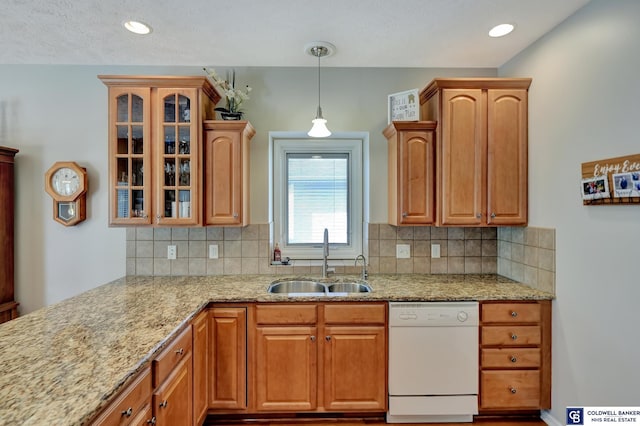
[[213, 251], [172, 251], [435, 251], [403, 251]]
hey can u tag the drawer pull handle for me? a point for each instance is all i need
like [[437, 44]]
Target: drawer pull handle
[[164, 404], [128, 412], [152, 420], [514, 336], [512, 389], [514, 359], [313, 338], [180, 351], [514, 314]]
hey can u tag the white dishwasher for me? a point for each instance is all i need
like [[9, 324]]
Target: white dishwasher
[[433, 362]]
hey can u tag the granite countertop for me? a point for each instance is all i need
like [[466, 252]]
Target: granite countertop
[[62, 364]]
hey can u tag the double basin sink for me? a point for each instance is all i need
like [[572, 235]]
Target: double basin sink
[[304, 287]]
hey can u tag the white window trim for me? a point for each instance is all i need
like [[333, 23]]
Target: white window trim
[[357, 143]]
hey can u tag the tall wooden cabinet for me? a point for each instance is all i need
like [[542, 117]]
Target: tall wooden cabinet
[[8, 306], [481, 149], [411, 168], [226, 154], [155, 148]]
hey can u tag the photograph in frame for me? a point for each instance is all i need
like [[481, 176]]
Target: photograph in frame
[[595, 188]]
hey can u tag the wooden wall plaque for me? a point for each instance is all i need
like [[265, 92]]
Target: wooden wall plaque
[[622, 175]]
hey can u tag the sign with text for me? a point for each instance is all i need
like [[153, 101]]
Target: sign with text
[[623, 180], [603, 415]]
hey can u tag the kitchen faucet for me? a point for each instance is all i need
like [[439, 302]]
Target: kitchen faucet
[[325, 253], [364, 266]]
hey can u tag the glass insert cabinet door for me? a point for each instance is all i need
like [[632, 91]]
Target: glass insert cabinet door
[[178, 190], [130, 156]]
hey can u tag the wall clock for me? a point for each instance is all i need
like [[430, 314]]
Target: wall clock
[[67, 183]]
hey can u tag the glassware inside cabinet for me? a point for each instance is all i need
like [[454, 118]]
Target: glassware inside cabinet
[[122, 146], [170, 208], [184, 205], [137, 140], [184, 109], [185, 172], [169, 140], [137, 175], [184, 135], [138, 203], [169, 172]]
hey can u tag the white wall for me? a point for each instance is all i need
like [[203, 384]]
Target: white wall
[[583, 107], [59, 113]]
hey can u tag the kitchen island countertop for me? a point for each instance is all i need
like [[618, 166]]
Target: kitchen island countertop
[[63, 363]]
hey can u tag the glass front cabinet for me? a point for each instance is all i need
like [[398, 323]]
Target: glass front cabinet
[[155, 148]]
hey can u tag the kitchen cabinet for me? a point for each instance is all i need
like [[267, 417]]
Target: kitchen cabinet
[[321, 357], [481, 149], [515, 356], [132, 406], [227, 358], [226, 154], [8, 306], [155, 148], [355, 352], [172, 398], [411, 172], [200, 367]]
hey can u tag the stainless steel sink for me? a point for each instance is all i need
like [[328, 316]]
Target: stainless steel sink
[[349, 288], [298, 287], [304, 287]]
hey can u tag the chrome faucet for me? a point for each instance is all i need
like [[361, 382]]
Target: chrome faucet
[[365, 275], [325, 253]]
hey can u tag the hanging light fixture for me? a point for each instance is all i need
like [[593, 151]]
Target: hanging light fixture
[[319, 49]]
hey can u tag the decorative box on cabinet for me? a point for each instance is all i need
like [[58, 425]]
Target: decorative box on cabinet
[[8, 306], [226, 154], [481, 149], [515, 356], [155, 148], [411, 172]]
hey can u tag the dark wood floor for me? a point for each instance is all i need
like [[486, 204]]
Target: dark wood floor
[[287, 422]]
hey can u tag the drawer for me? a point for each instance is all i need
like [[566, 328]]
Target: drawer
[[129, 404], [510, 312], [515, 335], [510, 358], [510, 389], [361, 313], [164, 363], [286, 314]]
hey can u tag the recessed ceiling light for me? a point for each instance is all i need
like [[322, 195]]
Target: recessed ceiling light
[[137, 27], [500, 30]]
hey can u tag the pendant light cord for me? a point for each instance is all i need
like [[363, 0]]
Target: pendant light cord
[[318, 54]]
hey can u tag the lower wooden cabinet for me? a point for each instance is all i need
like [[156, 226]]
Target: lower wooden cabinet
[[132, 406], [200, 367], [172, 401], [515, 356], [321, 357], [227, 351]]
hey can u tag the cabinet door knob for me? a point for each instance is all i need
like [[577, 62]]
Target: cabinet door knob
[[235, 215], [328, 338], [514, 359], [164, 403], [493, 215], [404, 214], [152, 421], [127, 412], [512, 389], [312, 338], [514, 336], [514, 314], [180, 351], [478, 216]]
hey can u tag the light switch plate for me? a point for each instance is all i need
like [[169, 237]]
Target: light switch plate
[[172, 251], [403, 251], [213, 251], [435, 251]]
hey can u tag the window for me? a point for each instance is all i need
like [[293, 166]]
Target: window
[[317, 184]]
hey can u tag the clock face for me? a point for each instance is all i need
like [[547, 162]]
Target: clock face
[[65, 181]]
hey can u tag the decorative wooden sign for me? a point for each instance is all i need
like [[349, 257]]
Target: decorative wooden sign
[[611, 181]]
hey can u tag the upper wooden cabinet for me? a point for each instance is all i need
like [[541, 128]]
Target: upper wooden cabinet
[[481, 149], [155, 148], [226, 154], [411, 167]]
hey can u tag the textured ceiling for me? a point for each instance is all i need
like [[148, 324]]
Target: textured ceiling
[[366, 33]]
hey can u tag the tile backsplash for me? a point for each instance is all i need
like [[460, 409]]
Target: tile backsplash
[[524, 254]]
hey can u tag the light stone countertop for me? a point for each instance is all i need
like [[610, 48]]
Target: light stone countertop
[[61, 364]]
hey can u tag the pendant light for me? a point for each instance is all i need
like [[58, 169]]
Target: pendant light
[[319, 49]]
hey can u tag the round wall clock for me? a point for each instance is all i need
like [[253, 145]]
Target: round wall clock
[[67, 184]]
